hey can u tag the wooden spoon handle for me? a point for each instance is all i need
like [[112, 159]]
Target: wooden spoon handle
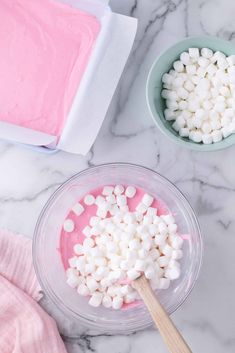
[[173, 339]]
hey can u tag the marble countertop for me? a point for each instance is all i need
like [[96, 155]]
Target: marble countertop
[[28, 178]]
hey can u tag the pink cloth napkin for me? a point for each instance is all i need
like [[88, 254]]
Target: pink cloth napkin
[[24, 326]]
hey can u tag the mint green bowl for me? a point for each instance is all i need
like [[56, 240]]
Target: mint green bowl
[[156, 103]]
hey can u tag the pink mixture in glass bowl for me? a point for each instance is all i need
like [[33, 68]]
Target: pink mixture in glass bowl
[[49, 245]]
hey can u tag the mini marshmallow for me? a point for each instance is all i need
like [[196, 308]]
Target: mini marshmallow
[[182, 93], [182, 105], [125, 264], [165, 93], [121, 200], [130, 191], [193, 106], [147, 200], [217, 55], [96, 299], [173, 105], [68, 225], [216, 135], [124, 208], [211, 69], [147, 244], [102, 211], [195, 136], [134, 244], [172, 95], [111, 199], [88, 243], [225, 131], [178, 66], [94, 221], [114, 210], [162, 227], [185, 58], [157, 220], [99, 200], [83, 290], [225, 121], [153, 229], [117, 303], [132, 274], [203, 62], [140, 265], [126, 289], [160, 239], [130, 298], [92, 284], [142, 254], [229, 113], [207, 139], [107, 301], [184, 132], [89, 268], [167, 250], [168, 219], [87, 231], [107, 190], [207, 105], [189, 86], [111, 247], [163, 261], [166, 78], [219, 107], [172, 273], [150, 272], [178, 82], [141, 208], [206, 53], [194, 53], [118, 190], [215, 124], [206, 128], [176, 126], [89, 200], [195, 79], [73, 263], [231, 60], [78, 209], [191, 69], [78, 250], [154, 254], [80, 263], [222, 63], [169, 115], [147, 220], [177, 242], [177, 254], [73, 280], [96, 230]]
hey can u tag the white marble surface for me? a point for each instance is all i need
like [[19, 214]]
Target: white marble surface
[[28, 178]]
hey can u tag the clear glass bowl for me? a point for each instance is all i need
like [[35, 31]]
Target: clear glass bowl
[[49, 268]]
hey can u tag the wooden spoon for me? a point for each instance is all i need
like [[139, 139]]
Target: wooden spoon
[[173, 339]]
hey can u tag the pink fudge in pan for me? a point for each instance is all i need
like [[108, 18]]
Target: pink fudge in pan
[[45, 48]]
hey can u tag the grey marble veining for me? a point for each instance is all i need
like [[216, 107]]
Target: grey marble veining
[[28, 178]]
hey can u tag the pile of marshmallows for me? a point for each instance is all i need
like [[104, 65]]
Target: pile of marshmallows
[[200, 95], [120, 246]]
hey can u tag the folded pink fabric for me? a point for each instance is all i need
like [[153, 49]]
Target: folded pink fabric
[[24, 326]]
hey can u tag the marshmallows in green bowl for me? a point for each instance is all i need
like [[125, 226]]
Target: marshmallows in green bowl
[[191, 93]]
